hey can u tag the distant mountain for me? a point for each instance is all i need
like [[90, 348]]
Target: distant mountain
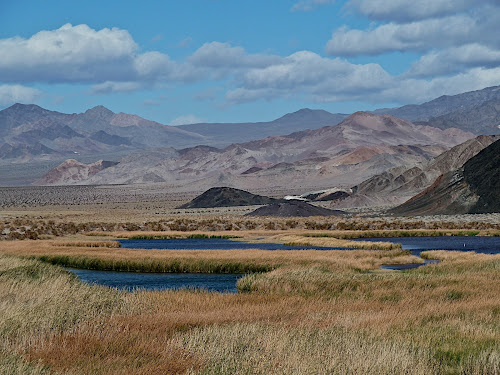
[[481, 119], [474, 188], [396, 185], [71, 171], [342, 155], [443, 105], [222, 135], [29, 132]]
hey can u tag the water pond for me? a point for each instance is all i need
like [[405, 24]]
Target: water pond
[[224, 283], [485, 245], [210, 244], [227, 282]]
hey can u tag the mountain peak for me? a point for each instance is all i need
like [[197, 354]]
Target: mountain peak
[[100, 111], [306, 115], [25, 107]]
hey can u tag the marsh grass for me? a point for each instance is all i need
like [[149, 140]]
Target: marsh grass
[[269, 349], [316, 312], [327, 241], [112, 244], [202, 261]]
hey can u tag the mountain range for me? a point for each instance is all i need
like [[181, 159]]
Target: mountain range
[[31, 133], [359, 147]]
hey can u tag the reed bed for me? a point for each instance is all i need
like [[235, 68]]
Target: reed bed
[[112, 244], [326, 241], [201, 261]]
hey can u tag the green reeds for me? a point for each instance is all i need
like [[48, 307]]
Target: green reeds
[[149, 265]]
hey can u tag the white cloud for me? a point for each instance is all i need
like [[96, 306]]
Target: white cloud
[[70, 53], [415, 36], [420, 90], [410, 10], [224, 56], [477, 25], [307, 5], [453, 60], [187, 119], [10, 94], [308, 73], [112, 87]]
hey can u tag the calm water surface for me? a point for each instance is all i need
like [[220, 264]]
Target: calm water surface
[[227, 282], [156, 281], [485, 245], [211, 244]]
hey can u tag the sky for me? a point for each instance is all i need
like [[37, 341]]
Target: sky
[[188, 61]]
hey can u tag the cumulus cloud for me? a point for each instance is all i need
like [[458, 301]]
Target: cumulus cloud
[[10, 94], [478, 25], [453, 60], [187, 119], [409, 10], [70, 53], [109, 87], [415, 36], [219, 55], [419, 90], [307, 5], [309, 73]]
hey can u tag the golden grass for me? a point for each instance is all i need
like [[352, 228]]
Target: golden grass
[[317, 312], [302, 240], [208, 261]]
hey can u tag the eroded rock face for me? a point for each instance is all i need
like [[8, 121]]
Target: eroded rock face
[[473, 188], [398, 184], [71, 171]]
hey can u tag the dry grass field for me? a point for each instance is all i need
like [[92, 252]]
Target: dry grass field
[[313, 312]]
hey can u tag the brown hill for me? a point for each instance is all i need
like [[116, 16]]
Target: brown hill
[[474, 188], [397, 185], [73, 171]]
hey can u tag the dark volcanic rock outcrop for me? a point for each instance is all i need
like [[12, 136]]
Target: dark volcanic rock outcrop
[[294, 209], [227, 197], [474, 188]]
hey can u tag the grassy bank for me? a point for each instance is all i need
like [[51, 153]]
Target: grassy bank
[[315, 312]]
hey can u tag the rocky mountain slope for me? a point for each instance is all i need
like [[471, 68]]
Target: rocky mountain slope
[[343, 155], [396, 185], [30, 132], [443, 105], [473, 188], [72, 171]]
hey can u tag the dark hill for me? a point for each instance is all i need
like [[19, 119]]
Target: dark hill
[[474, 188], [294, 209], [227, 197]]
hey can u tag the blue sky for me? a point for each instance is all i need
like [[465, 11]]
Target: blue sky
[[239, 60]]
